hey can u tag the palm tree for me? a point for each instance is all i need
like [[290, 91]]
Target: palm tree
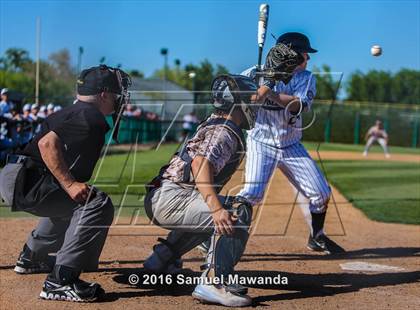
[[15, 58]]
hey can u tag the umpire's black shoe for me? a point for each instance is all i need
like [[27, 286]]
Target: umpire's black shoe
[[324, 244], [27, 263], [78, 290]]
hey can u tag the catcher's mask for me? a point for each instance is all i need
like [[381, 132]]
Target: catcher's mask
[[102, 78], [231, 92]]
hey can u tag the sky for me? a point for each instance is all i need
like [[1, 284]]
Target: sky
[[133, 32]]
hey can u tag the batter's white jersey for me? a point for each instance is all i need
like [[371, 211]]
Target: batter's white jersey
[[274, 142], [275, 127]]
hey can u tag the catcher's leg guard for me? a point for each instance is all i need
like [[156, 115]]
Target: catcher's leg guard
[[226, 250], [164, 259], [166, 256]]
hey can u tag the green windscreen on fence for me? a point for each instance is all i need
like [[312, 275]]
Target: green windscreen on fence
[[136, 130], [340, 123], [349, 122]]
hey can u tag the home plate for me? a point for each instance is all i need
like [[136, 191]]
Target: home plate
[[368, 267]]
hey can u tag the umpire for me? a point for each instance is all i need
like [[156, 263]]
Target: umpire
[[48, 179]]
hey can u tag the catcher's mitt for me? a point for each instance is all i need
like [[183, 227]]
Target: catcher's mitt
[[280, 63]]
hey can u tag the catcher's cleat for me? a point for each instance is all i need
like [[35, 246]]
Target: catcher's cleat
[[79, 291], [155, 264], [218, 294], [236, 288], [28, 264], [324, 244]]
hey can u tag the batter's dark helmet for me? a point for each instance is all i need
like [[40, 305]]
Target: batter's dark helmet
[[298, 41]]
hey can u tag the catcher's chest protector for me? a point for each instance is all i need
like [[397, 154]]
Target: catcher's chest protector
[[234, 161]]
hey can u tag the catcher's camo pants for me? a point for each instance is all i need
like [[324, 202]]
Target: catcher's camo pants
[[184, 211]]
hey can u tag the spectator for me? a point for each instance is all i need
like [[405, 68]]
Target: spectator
[[50, 109], [189, 125], [36, 120], [57, 108], [42, 112], [151, 116], [4, 103], [34, 111], [16, 125], [13, 113], [131, 111], [27, 112]]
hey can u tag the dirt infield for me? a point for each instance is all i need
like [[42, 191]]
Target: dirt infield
[[277, 247], [340, 155]]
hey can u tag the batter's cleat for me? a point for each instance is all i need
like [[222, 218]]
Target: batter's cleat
[[324, 244], [79, 291], [218, 294], [27, 264]]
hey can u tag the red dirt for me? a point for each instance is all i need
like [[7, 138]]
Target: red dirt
[[277, 246], [337, 155]]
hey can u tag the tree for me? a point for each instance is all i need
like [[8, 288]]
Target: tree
[[15, 59], [61, 62], [136, 74], [205, 72], [406, 86], [383, 86], [326, 86], [356, 88]]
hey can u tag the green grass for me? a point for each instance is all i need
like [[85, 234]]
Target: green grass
[[360, 148], [385, 191]]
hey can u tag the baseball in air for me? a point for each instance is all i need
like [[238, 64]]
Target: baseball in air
[[376, 50]]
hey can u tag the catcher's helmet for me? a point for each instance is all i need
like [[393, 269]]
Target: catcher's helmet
[[230, 91], [298, 42]]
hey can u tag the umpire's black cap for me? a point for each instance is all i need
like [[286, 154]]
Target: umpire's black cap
[[98, 79], [299, 42]]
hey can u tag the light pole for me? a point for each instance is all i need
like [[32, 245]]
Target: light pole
[[79, 59], [192, 75], [164, 53], [38, 38]]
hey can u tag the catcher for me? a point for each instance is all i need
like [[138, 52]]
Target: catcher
[[184, 196]]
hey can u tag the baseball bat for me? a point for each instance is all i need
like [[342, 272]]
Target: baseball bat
[[262, 29]]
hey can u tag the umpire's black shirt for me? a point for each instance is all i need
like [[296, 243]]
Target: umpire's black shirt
[[81, 128]]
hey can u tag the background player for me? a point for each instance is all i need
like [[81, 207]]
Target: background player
[[275, 143], [377, 133]]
